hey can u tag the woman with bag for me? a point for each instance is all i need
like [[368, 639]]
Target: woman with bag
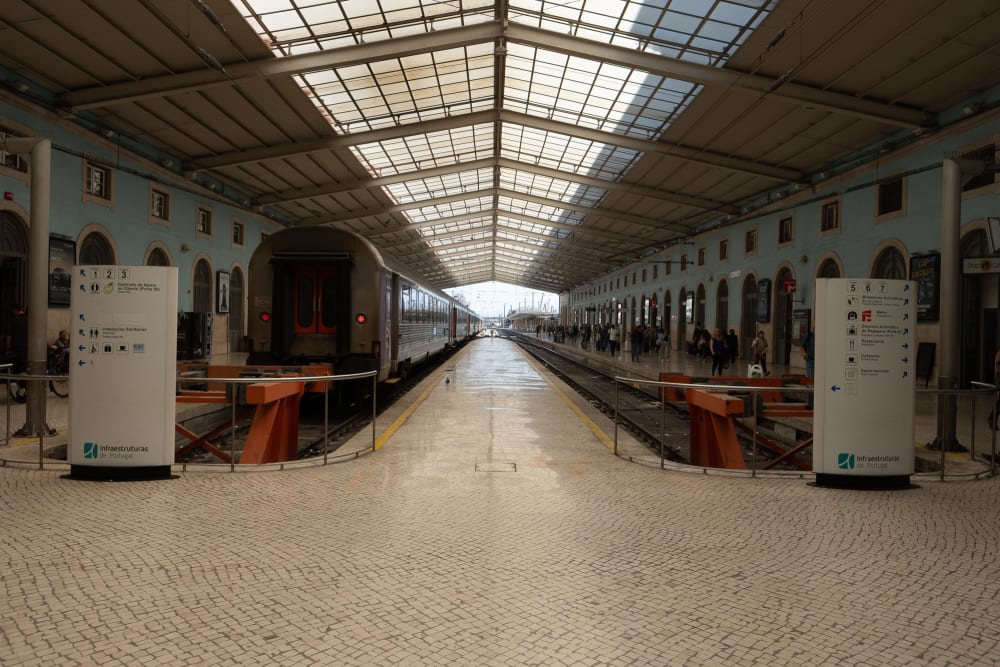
[[759, 349]]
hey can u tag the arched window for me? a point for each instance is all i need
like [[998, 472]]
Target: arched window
[[890, 264], [158, 257], [201, 290], [95, 249]]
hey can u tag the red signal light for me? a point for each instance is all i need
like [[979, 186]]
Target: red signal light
[[265, 317], [360, 318]]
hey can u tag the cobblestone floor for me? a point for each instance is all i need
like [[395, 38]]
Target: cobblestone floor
[[410, 556]]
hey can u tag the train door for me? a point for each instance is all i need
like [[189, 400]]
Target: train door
[[318, 306]]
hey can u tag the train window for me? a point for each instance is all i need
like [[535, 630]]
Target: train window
[[405, 305], [304, 301]]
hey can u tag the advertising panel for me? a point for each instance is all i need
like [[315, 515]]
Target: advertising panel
[[122, 371], [865, 371]]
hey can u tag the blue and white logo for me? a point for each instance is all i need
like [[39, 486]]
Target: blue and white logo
[[845, 461], [91, 450]]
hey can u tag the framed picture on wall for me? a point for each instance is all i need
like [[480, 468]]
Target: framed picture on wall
[[222, 292]]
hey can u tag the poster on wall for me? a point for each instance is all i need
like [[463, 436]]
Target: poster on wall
[[925, 271], [222, 292], [62, 256]]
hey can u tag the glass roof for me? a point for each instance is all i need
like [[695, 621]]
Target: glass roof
[[559, 90]]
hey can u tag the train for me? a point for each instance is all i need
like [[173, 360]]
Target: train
[[322, 294]]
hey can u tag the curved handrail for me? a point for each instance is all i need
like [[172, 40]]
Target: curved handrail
[[201, 379], [980, 389]]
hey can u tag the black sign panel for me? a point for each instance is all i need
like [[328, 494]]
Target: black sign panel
[[62, 257], [925, 270], [764, 300]]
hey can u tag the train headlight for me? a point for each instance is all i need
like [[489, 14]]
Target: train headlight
[[265, 317], [360, 318]]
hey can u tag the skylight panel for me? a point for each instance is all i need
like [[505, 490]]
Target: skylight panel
[[471, 205], [566, 153], [440, 186], [425, 151], [550, 188]]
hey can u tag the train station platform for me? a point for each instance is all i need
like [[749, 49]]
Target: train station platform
[[493, 526]]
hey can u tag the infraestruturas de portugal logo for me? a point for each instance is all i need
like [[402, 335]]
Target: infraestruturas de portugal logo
[[94, 451], [850, 461]]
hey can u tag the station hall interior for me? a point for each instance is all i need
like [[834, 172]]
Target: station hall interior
[[652, 163]]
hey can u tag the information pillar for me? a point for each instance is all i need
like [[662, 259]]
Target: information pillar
[[864, 401]]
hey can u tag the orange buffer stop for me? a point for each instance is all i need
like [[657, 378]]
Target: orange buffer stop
[[713, 434]]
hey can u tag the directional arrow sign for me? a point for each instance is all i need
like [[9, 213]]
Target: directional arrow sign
[[905, 360], [82, 348], [835, 388], [81, 363], [82, 318]]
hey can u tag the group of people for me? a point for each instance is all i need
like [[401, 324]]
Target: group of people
[[722, 349], [610, 338]]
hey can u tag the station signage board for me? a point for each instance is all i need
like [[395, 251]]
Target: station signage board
[[864, 384], [123, 357]]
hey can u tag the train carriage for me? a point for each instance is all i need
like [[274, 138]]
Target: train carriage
[[325, 294]]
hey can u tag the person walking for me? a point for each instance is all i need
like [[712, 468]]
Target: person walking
[[720, 353], [808, 344], [759, 349], [636, 343], [733, 346]]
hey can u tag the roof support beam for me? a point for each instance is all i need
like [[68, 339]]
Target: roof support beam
[[693, 154], [743, 82], [265, 153], [503, 163], [399, 47]]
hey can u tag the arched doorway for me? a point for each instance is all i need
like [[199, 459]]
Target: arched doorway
[[979, 319], [828, 269], [748, 323], [890, 264], [699, 311], [236, 310], [666, 311], [13, 266], [722, 306], [782, 343], [653, 310], [682, 319], [95, 249], [201, 288], [157, 257]]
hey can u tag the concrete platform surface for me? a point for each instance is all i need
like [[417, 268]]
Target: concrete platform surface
[[494, 527]]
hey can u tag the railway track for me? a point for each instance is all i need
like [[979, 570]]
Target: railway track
[[640, 410], [343, 420]]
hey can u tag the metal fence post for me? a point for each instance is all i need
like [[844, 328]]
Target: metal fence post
[[232, 439], [663, 423], [753, 452], [616, 417], [326, 420]]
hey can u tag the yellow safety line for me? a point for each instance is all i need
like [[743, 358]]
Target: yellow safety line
[[601, 435], [401, 419]]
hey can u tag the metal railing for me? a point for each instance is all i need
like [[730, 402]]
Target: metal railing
[[233, 395], [981, 389]]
